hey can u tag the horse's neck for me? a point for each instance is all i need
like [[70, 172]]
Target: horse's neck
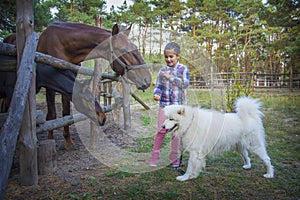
[[75, 43], [90, 45]]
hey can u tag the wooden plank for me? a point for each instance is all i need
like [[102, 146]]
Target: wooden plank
[[40, 119], [8, 49], [62, 64], [55, 62], [10, 130], [60, 122]]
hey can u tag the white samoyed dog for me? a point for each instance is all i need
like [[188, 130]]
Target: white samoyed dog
[[208, 132]]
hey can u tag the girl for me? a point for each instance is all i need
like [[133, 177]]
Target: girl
[[170, 87]]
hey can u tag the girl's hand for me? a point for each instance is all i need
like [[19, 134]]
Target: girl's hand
[[166, 75], [156, 97]]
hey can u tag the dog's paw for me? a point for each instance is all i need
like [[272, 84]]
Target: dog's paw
[[182, 178], [247, 166], [268, 175]]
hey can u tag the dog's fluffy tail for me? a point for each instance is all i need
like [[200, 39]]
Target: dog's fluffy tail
[[248, 107]]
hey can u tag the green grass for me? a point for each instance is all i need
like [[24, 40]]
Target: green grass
[[146, 120], [226, 178]]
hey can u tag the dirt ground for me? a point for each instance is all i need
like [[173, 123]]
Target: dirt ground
[[74, 164], [79, 175]]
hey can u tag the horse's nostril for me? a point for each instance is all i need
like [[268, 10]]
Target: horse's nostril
[[102, 122]]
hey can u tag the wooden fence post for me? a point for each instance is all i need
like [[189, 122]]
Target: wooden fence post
[[96, 90], [126, 104], [47, 157], [10, 130], [291, 77], [27, 138]]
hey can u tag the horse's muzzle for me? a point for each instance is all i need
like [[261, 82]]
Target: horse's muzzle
[[102, 122], [101, 118], [144, 83]]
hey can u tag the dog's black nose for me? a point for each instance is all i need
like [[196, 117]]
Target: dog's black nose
[[163, 126]]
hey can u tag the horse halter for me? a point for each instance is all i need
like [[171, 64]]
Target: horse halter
[[120, 62]]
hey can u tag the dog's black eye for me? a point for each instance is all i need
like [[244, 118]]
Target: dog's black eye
[[171, 119]]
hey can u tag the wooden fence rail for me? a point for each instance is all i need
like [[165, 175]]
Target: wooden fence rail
[[10, 50], [255, 80]]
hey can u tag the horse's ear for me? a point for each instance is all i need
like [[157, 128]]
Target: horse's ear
[[128, 30], [115, 29]]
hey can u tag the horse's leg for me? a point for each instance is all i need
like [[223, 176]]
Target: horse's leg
[[50, 98], [66, 111]]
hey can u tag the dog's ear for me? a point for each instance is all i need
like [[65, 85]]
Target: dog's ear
[[181, 111]]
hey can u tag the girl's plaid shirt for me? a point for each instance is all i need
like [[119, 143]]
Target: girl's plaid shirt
[[172, 91]]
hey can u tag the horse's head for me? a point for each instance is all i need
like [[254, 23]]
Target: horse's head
[[85, 102], [126, 59]]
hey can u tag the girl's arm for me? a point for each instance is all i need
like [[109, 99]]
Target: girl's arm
[[184, 81], [158, 85]]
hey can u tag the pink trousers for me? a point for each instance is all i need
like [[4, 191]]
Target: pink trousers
[[159, 139]]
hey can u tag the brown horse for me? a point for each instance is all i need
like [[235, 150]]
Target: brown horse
[[61, 81], [8, 78], [76, 42]]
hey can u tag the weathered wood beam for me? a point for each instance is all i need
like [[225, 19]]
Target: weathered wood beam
[[26, 41], [39, 117], [10, 130], [47, 157], [140, 101], [60, 122], [10, 50], [126, 104]]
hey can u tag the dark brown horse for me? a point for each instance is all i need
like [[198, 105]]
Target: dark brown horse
[[76, 42], [8, 78], [54, 79], [61, 81]]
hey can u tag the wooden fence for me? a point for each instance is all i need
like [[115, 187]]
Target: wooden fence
[[12, 120], [254, 80], [21, 119]]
